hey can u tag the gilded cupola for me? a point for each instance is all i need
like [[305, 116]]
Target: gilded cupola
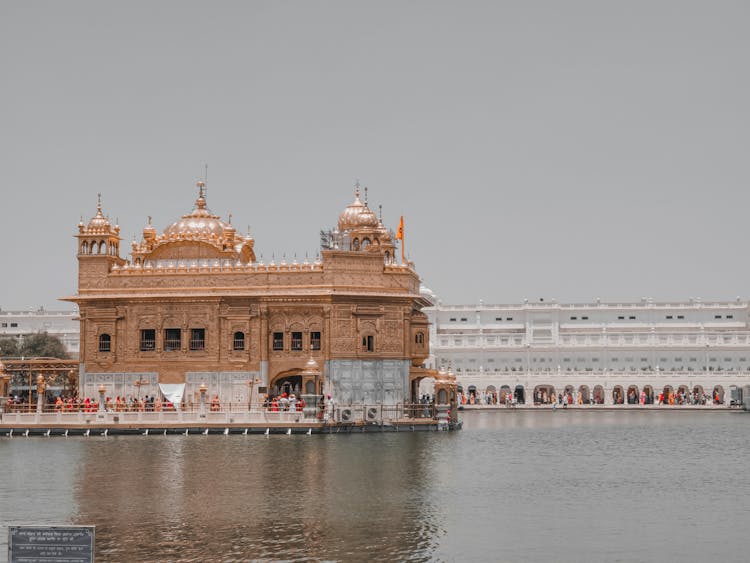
[[99, 237], [357, 214], [98, 223], [359, 229], [196, 235]]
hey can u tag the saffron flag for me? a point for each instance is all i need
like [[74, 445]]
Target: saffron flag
[[400, 232]]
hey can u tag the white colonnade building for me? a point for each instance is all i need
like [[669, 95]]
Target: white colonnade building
[[604, 353]]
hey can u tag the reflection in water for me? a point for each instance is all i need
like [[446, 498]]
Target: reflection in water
[[512, 486], [218, 497]]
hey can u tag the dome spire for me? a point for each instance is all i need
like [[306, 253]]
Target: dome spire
[[200, 203], [356, 189]]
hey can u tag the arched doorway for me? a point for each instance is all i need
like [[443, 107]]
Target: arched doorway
[[618, 395], [648, 395], [682, 396], [584, 394], [505, 394], [442, 397], [598, 395], [520, 395], [699, 395], [472, 391], [491, 395], [569, 395], [544, 394], [289, 384], [717, 395], [632, 396], [667, 396]]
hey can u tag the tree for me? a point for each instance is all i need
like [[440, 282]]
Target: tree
[[42, 344], [8, 348]]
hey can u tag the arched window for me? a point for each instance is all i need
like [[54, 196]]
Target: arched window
[[355, 244], [365, 243], [239, 341], [419, 338], [105, 343], [85, 247]]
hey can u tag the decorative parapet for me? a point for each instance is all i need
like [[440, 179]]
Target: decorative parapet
[[211, 267]]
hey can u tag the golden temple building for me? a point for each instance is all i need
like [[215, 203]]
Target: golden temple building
[[193, 306]]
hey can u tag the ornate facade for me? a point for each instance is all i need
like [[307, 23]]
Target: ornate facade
[[193, 306]]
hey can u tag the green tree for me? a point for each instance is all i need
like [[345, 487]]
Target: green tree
[[8, 348], [41, 344]]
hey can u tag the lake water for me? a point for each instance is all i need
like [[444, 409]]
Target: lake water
[[512, 486]]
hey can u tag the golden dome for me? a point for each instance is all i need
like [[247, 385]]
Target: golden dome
[[99, 223], [357, 215], [200, 222]]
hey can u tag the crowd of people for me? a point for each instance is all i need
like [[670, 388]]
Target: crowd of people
[[118, 404], [544, 396]]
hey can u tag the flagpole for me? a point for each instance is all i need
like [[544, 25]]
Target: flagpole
[[400, 236]]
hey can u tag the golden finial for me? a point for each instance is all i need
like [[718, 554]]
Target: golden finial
[[356, 188], [99, 202], [149, 220], [230, 218], [365, 195]]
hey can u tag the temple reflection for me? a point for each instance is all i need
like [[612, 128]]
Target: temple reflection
[[334, 497]]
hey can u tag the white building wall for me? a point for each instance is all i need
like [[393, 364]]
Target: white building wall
[[642, 343], [62, 324]]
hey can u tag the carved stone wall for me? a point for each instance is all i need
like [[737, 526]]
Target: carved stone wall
[[347, 297]]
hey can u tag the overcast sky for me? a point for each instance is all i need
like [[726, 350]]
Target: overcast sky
[[556, 149]]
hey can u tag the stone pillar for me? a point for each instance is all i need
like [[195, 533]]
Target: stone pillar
[[607, 390], [203, 389]]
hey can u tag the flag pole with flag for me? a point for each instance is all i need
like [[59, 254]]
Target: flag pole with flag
[[400, 236]]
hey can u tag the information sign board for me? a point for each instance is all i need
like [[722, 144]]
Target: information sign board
[[45, 544]]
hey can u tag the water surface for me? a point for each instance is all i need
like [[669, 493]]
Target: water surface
[[512, 486]]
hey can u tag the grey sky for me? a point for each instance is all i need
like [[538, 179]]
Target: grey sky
[[536, 149]]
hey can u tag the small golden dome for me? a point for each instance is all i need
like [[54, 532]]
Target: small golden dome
[[99, 222], [357, 215]]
